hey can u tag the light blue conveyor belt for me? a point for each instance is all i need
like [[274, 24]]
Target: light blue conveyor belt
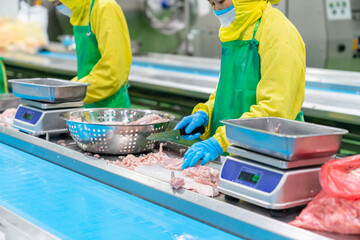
[[72, 206]]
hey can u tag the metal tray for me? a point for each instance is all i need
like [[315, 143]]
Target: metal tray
[[8, 100], [49, 89], [283, 138]]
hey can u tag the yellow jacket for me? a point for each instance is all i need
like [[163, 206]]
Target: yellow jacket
[[281, 90], [110, 28]]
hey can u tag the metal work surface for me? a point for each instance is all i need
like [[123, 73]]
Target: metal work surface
[[239, 218], [72, 206], [15, 227]]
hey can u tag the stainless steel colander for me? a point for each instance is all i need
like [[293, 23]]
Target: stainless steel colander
[[98, 131]]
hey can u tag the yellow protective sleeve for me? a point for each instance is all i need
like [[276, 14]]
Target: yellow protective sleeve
[[281, 90], [109, 25]]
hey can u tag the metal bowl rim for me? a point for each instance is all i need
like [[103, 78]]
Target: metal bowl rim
[[171, 116]]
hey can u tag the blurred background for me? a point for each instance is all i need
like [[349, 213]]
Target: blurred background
[[176, 53], [330, 28]]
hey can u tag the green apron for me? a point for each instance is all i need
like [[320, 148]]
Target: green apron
[[88, 55], [239, 77], [3, 78]]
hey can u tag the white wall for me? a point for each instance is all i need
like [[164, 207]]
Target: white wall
[[9, 8]]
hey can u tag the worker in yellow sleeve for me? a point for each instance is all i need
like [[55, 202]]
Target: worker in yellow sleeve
[[262, 74], [103, 50], [3, 78]]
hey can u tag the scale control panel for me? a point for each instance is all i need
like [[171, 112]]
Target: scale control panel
[[36, 121], [268, 186], [250, 176], [28, 115]]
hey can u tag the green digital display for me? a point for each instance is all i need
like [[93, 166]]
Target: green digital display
[[28, 116], [249, 177]]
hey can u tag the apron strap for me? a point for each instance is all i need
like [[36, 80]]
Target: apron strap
[[3, 78], [89, 26], [256, 28]]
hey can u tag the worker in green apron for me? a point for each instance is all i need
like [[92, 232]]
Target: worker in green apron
[[3, 78], [262, 74], [103, 50]]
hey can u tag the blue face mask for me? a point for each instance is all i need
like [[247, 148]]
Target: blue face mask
[[226, 16], [64, 10]]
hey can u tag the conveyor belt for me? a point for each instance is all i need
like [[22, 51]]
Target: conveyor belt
[[239, 218], [70, 56], [72, 206]]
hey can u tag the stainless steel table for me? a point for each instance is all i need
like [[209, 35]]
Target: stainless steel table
[[239, 218]]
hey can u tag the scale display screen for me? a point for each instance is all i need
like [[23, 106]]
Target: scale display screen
[[249, 177], [28, 116], [243, 173]]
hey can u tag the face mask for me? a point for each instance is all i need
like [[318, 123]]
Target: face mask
[[226, 16], [64, 10]]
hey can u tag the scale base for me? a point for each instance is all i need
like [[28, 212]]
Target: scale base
[[234, 197], [268, 187], [38, 122]]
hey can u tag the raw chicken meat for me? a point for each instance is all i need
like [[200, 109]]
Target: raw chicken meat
[[171, 163], [277, 129], [203, 174], [151, 118], [75, 119], [130, 161], [337, 207], [200, 179], [7, 117], [177, 182], [148, 119], [203, 189], [331, 214]]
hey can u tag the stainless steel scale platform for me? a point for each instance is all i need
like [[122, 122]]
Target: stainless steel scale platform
[[276, 162]]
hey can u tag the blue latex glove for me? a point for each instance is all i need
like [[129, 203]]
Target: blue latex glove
[[189, 123], [206, 150]]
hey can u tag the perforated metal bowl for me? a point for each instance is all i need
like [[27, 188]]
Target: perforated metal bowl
[[98, 131]]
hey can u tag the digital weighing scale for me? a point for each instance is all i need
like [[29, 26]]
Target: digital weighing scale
[[270, 182], [39, 118], [42, 101]]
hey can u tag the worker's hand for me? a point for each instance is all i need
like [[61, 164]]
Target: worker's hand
[[205, 151], [189, 123]]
